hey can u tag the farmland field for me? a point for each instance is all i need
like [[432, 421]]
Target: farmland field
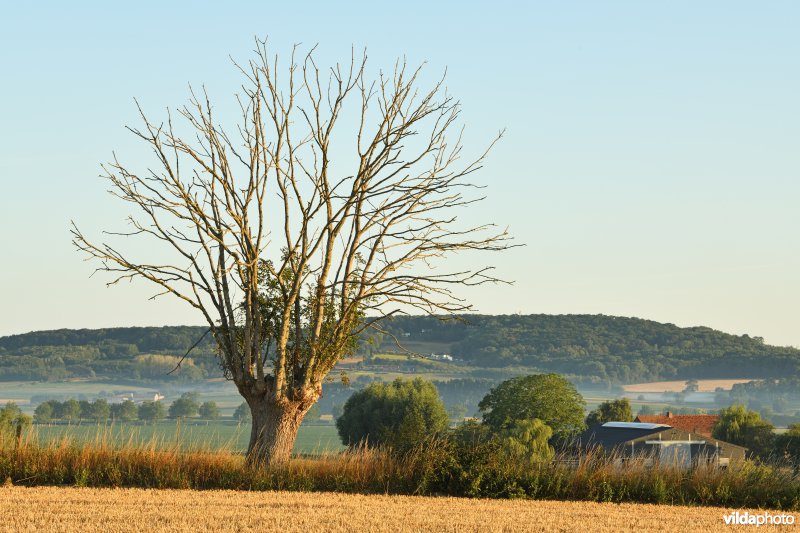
[[705, 385], [211, 435], [113, 510]]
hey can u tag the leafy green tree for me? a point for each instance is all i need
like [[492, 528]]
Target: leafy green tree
[[242, 413], [548, 397], [528, 441], [692, 386], [70, 410], [12, 419], [100, 410], [126, 411], [337, 411], [43, 413], [209, 411], [610, 411], [151, 411], [741, 426], [86, 410], [400, 414], [470, 433], [185, 406]]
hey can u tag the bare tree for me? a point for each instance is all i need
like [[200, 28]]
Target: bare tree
[[288, 257]]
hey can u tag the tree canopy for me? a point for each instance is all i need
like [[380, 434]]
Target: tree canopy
[[185, 406], [611, 411], [400, 414], [741, 426], [548, 397], [528, 441], [151, 411]]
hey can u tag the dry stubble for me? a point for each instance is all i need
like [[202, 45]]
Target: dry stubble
[[117, 510]]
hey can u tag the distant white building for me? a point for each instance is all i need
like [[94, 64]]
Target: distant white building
[[136, 397], [441, 357]]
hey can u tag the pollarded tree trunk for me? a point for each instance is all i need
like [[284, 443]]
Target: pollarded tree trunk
[[275, 426]]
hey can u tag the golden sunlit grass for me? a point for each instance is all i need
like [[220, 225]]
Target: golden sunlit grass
[[118, 510], [437, 468]]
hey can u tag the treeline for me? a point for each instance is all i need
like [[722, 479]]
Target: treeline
[[112, 343], [776, 399], [589, 349], [606, 348], [134, 354], [100, 410]]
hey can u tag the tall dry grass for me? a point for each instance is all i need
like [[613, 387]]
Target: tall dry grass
[[440, 467]]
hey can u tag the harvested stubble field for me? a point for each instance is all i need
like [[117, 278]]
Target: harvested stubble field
[[112, 510], [704, 385]]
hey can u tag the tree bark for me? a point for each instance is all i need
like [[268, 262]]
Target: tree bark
[[274, 429]]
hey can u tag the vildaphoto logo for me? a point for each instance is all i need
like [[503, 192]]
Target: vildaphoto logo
[[758, 519]]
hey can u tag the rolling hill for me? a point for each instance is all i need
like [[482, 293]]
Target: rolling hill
[[592, 347]]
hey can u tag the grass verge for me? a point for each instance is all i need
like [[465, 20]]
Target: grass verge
[[438, 468]]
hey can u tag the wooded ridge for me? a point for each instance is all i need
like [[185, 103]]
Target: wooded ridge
[[614, 349]]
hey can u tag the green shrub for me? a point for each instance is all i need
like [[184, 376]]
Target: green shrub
[[399, 415]]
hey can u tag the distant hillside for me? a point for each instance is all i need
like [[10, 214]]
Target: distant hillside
[[610, 348], [146, 353], [592, 347]]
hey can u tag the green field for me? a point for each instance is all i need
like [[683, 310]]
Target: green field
[[316, 438]]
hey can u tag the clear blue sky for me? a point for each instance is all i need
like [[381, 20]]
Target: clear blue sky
[[650, 163]]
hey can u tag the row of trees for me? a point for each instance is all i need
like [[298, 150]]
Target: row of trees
[[100, 410], [522, 417]]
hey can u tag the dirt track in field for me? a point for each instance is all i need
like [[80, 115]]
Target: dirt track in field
[[126, 510]]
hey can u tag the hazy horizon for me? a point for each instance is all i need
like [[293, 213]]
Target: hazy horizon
[[649, 163]]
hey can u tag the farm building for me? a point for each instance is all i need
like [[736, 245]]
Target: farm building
[[699, 424], [136, 397], [658, 442]]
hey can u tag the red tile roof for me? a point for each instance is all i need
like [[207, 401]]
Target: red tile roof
[[699, 424]]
